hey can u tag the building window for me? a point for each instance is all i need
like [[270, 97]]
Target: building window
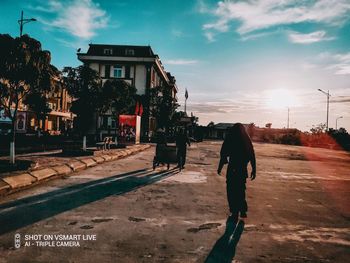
[[114, 124], [129, 52], [107, 71], [108, 51], [52, 106], [118, 71]]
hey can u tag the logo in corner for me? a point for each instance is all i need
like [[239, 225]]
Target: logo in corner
[[17, 240]]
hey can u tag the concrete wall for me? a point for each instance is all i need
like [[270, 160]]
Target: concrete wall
[[132, 73]]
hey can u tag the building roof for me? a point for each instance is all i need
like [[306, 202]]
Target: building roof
[[120, 50], [223, 126]]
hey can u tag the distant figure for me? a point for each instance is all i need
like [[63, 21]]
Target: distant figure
[[182, 141], [237, 150], [160, 139]]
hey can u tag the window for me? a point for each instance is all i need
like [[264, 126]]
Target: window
[[52, 106], [118, 71], [114, 124], [129, 52], [108, 51], [107, 71]]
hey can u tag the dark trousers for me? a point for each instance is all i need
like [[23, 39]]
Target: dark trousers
[[181, 154], [235, 186]]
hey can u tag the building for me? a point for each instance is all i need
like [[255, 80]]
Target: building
[[219, 130], [137, 65], [59, 120]]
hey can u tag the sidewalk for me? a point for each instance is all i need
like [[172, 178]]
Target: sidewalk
[[53, 165]]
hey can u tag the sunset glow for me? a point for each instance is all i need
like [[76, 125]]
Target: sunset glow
[[281, 98]]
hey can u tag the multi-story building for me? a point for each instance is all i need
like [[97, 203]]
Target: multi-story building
[[137, 65], [57, 121], [60, 119]]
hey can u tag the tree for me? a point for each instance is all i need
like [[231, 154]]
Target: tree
[[117, 96], [176, 118], [83, 84], [162, 105], [211, 124], [38, 103], [318, 129], [24, 69]]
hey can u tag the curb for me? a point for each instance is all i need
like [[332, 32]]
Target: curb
[[27, 179]]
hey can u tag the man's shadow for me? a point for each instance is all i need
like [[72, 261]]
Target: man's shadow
[[224, 249]]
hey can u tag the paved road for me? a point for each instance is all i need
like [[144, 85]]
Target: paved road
[[298, 212]]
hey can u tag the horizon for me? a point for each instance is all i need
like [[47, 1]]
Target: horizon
[[240, 61]]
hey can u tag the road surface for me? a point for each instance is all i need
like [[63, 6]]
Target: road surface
[[122, 211]]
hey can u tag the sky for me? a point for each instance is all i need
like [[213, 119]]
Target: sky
[[241, 61]]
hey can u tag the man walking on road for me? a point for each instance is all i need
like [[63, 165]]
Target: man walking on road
[[237, 150], [181, 144]]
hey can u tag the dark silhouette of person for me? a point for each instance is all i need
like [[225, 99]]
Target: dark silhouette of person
[[161, 140], [182, 141], [237, 150]]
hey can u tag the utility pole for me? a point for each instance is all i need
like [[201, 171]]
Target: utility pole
[[23, 21], [336, 122], [288, 119], [328, 95]]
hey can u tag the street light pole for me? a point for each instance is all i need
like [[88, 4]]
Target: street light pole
[[328, 95], [23, 21], [336, 122]]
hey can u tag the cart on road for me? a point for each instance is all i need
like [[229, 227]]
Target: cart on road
[[166, 154]]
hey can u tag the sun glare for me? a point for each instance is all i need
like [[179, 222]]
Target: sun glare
[[280, 98]]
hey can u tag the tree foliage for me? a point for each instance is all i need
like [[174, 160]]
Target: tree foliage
[[117, 96], [38, 103], [162, 105], [318, 129], [83, 84], [24, 69]]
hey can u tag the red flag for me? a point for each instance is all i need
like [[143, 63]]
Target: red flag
[[137, 108], [186, 94], [141, 109]]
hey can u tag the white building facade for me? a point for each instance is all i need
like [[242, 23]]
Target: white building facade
[[137, 65]]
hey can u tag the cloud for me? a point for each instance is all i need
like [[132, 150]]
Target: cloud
[[210, 36], [341, 99], [226, 105], [80, 18], [339, 63], [211, 107], [257, 15], [258, 35], [177, 33], [310, 38], [181, 62], [202, 7]]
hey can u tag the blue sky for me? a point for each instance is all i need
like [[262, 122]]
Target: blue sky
[[241, 61]]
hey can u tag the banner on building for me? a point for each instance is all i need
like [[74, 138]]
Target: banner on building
[[129, 129], [5, 122], [21, 122]]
